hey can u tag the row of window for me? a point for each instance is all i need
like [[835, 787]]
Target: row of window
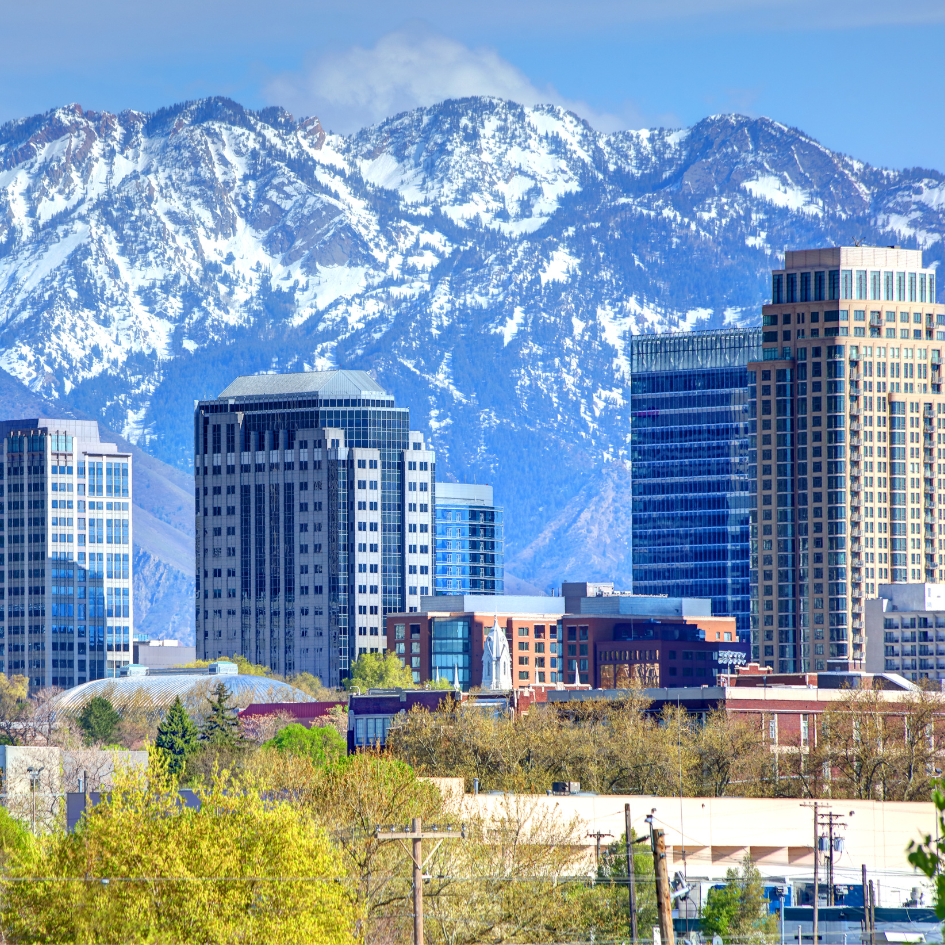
[[835, 284]]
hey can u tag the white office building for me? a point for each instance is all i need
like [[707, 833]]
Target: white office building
[[905, 631], [66, 605]]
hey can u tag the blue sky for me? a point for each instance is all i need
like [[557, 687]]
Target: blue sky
[[861, 76]]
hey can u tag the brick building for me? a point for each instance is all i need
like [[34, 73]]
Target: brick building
[[788, 705], [591, 635]]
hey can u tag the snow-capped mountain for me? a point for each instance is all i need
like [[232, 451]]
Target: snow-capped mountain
[[486, 261]]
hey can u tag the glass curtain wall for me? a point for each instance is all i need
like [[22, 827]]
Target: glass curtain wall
[[689, 452], [449, 650], [469, 550]]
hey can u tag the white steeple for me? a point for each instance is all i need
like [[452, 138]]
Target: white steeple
[[496, 660]]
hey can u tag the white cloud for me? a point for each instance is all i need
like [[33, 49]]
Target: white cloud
[[410, 68]]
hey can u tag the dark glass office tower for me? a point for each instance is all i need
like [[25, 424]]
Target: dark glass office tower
[[314, 507], [689, 453]]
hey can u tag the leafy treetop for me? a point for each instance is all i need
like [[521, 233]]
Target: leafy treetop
[[323, 745], [379, 671]]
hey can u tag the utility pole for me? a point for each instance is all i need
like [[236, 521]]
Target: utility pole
[[816, 806], [832, 820], [664, 903], [598, 834], [631, 875], [867, 930], [416, 835]]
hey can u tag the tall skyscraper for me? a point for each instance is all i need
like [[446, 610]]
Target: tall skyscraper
[[68, 548], [847, 457], [314, 506], [689, 447], [469, 540]]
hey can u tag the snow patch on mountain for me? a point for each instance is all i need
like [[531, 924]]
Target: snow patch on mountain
[[488, 262]]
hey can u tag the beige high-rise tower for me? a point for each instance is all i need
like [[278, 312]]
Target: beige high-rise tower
[[847, 452]]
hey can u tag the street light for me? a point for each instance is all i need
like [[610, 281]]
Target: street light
[[731, 658]]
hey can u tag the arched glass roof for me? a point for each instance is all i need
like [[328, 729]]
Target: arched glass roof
[[158, 692]]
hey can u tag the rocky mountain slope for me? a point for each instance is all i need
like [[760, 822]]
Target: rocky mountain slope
[[486, 261]]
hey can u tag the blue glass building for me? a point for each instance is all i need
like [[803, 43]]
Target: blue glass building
[[469, 540], [690, 466]]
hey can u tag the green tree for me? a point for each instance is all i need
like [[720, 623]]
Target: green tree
[[379, 671], [15, 837], [313, 686], [221, 726], [323, 745], [738, 912], [14, 707], [176, 737], [604, 906], [265, 873], [98, 721]]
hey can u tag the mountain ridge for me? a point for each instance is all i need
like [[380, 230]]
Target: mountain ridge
[[486, 261]]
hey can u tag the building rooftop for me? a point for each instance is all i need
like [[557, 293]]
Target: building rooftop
[[582, 597], [147, 688], [877, 257], [466, 493], [327, 383], [82, 429], [492, 604], [911, 597]]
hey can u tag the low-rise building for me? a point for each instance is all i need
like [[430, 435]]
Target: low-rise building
[[162, 654], [371, 714], [303, 713], [591, 635], [787, 705], [905, 631]]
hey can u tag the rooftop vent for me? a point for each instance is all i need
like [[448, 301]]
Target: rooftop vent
[[133, 669], [223, 668]]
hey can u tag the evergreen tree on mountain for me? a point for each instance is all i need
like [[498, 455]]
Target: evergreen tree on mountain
[[176, 737], [221, 726]]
